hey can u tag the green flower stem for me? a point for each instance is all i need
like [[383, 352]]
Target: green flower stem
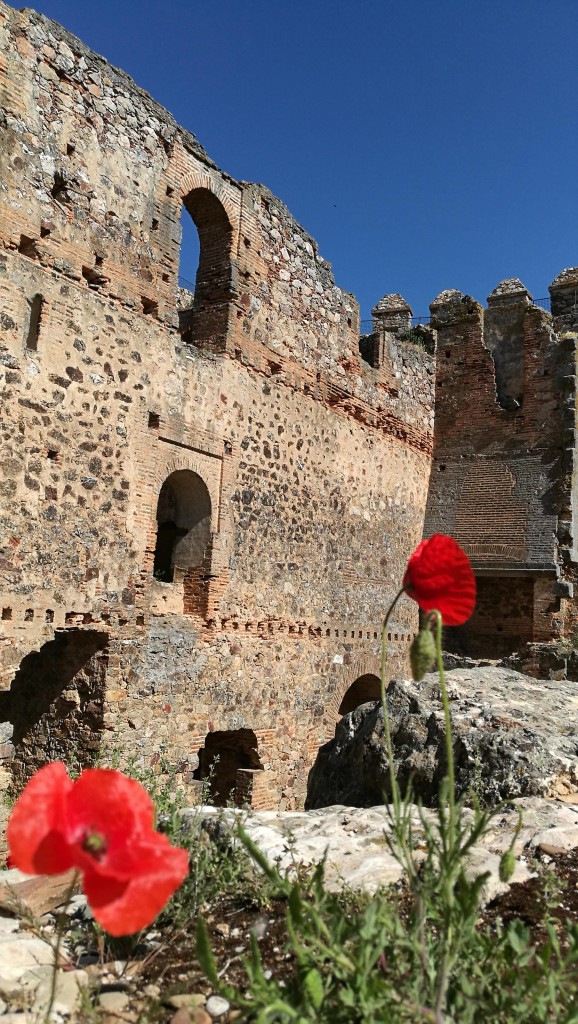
[[448, 718], [449, 895], [58, 945], [388, 746]]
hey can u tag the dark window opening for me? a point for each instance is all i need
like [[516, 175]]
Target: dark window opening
[[364, 689], [36, 306], [205, 271], [70, 148], [6, 614], [223, 760], [154, 420], [183, 528]]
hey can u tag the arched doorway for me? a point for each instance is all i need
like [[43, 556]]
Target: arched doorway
[[224, 760], [205, 317], [362, 690]]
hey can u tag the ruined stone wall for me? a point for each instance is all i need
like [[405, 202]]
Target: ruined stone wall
[[503, 465], [313, 465]]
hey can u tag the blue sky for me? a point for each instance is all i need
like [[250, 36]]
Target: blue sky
[[423, 145]]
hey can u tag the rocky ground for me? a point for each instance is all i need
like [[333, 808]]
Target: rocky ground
[[158, 978]]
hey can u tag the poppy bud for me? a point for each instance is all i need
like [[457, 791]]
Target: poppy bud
[[507, 865], [422, 654]]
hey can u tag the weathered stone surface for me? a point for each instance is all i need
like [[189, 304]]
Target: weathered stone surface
[[37, 895], [513, 736], [352, 839]]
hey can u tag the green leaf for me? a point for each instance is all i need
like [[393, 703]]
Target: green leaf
[[313, 984], [205, 953]]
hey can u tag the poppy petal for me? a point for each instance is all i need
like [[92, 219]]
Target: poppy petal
[[35, 830], [123, 906], [439, 577], [115, 808]]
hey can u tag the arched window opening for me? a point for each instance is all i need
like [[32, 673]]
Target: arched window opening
[[362, 690], [204, 305], [183, 526], [224, 762], [189, 260]]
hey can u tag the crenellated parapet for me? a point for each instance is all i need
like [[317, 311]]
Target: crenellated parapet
[[564, 299]]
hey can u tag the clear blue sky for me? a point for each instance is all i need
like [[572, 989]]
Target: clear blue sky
[[424, 145]]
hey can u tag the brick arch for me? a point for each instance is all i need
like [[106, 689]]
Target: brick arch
[[347, 674], [161, 471], [202, 180], [207, 321]]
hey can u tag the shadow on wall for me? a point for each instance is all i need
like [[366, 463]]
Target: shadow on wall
[[222, 762], [56, 704]]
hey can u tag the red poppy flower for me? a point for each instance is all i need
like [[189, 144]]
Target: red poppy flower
[[439, 577], [103, 825]]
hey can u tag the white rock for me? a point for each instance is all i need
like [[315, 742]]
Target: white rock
[[216, 1006]]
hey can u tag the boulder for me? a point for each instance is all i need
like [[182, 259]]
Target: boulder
[[514, 736]]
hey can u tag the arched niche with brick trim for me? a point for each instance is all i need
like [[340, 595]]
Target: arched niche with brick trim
[[183, 538], [207, 320]]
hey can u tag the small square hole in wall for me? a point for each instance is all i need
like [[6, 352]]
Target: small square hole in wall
[[154, 420], [52, 454], [29, 614], [93, 277], [49, 615], [45, 229], [165, 277], [170, 190], [6, 614], [154, 224], [247, 243], [98, 260], [150, 307], [70, 148], [27, 247]]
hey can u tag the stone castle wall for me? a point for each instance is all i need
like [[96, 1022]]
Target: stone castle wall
[[310, 464], [503, 476]]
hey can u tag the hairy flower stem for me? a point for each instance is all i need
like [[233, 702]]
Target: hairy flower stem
[[57, 946], [443, 973], [393, 781]]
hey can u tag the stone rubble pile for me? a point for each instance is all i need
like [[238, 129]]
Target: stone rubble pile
[[514, 736]]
